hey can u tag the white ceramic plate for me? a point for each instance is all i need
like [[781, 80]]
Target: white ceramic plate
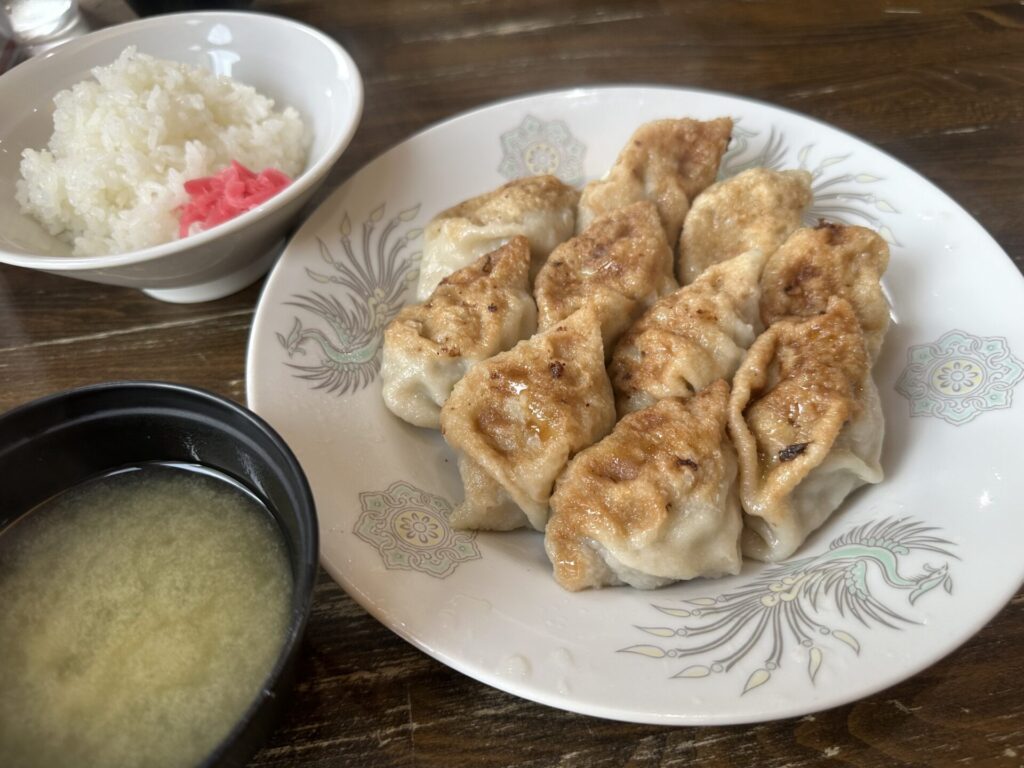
[[920, 562]]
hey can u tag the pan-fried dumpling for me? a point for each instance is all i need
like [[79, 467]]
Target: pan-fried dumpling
[[754, 209], [541, 208], [475, 313], [829, 260], [619, 266], [667, 162], [652, 503], [691, 337], [807, 425], [516, 419]]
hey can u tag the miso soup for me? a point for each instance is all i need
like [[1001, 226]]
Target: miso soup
[[140, 614]]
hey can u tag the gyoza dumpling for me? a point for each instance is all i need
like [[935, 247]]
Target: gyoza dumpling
[[754, 209], [652, 503], [807, 425], [619, 266], [667, 162], [475, 313], [691, 337], [541, 208], [516, 419], [830, 260]]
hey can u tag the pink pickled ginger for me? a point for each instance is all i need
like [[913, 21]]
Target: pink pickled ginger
[[218, 198]]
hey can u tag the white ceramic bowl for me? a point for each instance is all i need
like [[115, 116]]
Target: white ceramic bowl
[[290, 62]]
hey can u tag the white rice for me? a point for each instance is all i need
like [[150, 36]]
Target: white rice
[[111, 178]]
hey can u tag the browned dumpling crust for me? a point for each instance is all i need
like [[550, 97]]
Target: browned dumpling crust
[[653, 502], [541, 208], [757, 208], [689, 338], [668, 162], [829, 260], [516, 419], [619, 266], [807, 425], [474, 313]]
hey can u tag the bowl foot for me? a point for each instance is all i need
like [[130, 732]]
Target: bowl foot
[[222, 286]]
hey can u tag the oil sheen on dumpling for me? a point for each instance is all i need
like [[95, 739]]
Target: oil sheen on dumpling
[[691, 337], [754, 209], [652, 503], [541, 208], [807, 425], [829, 260], [619, 266], [516, 419], [667, 162], [475, 313]]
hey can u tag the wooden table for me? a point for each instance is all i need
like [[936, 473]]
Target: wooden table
[[938, 84]]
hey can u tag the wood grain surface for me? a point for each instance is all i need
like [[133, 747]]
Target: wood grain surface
[[939, 85]]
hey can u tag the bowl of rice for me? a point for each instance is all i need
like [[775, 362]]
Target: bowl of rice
[[171, 154]]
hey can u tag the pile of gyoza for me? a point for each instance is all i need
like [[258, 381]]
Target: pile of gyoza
[[653, 432]]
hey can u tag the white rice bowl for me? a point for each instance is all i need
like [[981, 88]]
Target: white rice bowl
[[111, 179]]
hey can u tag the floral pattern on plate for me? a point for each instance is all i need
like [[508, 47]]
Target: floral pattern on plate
[[959, 377], [409, 527], [537, 147]]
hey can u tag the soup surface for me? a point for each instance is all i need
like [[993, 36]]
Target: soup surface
[[141, 613]]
